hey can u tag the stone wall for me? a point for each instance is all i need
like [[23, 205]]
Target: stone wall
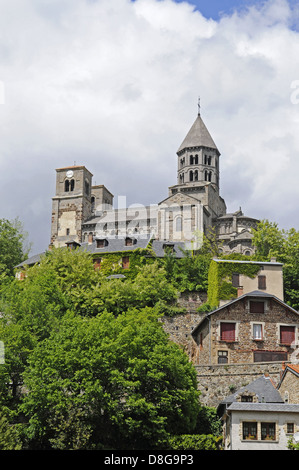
[[216, 382]]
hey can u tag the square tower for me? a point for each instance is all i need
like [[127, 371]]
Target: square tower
[[71, 205]]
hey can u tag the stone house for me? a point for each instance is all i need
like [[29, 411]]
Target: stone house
[[255, 417], [289, 383], [255, 327]]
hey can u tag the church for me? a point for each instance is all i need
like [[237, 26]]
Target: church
[[83, 213]]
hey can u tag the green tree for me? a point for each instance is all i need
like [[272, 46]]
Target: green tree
[[107, 381], [13, 249], [9, 438], [270, 241]]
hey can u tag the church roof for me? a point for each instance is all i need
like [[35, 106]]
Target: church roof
[[198, 136]]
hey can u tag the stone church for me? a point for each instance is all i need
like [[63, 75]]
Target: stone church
[[83, 212]]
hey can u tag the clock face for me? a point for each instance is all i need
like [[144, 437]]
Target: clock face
[[69, 173]]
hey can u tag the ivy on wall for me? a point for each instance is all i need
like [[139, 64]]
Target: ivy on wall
[[220, 279], [111, 263]]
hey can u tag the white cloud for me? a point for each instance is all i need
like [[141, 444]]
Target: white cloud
[[114, 86]]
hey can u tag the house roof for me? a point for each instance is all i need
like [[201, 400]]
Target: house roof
[[262, 387], [238, 261], [198, 136], [275, 407], [292, 368], [254, 294]]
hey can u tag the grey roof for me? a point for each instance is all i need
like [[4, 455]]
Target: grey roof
[[198, 136], [262, 263], [275, 407], [159, 246], [31, 261], [116, 244], [262, 387]]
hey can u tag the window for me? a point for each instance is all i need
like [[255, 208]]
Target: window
[[102, 243], [126, 262], [256, 306], [268, 431], [246, 399], [269, 356], [97, 263], [290, 428], [235, 280], [249, 430], [129, 241], [257, 331], [67, 231], [222, 357], [227, 331], [287, 335], [262, 282], [178, 224]]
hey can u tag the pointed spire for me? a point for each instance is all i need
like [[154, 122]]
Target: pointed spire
[[198, 135]]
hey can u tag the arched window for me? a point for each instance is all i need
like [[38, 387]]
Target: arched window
[[66, 186], [196, 175], [191, 160], [196, 159], [191, 176], [209, 176]]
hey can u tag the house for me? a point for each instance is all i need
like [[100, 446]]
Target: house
[[255, 417], [231, 278], [289, 383], [255, 327]]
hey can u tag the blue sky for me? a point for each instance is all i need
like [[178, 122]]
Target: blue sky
[[214, 8]]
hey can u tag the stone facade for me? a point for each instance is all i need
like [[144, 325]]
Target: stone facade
[[289, 383], [237, 333]]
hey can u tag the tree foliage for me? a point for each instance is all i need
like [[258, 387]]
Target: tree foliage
[[109, 381], [13, 248], [270, 241]]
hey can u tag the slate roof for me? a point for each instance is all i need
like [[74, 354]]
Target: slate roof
[[198, 136], [262, 387], [274, 407]]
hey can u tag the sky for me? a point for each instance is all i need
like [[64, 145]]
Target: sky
[[114, 85]]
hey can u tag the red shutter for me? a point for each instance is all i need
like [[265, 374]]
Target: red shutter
[[287, 334], [227, 331]]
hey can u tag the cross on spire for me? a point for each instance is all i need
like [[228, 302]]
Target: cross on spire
[[198, 106]]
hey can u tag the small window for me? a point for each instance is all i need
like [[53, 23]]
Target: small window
[[287, 335], [246, 399], [67, 231], [102, 243], [222, 357], [126, 262], [257, 332], [227, 331], [262, 282], [129, 241], [235, 280], [269, 356], [250, 430], [268, 431], [97, 263], [290, 428], [256, 306]]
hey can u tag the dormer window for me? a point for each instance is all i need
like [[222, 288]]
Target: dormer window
[[102, 243], [129, 241]]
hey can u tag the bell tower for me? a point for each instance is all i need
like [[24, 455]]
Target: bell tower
[[198, 157], [71, 205]]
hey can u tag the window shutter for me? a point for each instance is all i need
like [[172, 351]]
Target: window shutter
[[262, 282], [287, 334], [257, 307], [227, 332]]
